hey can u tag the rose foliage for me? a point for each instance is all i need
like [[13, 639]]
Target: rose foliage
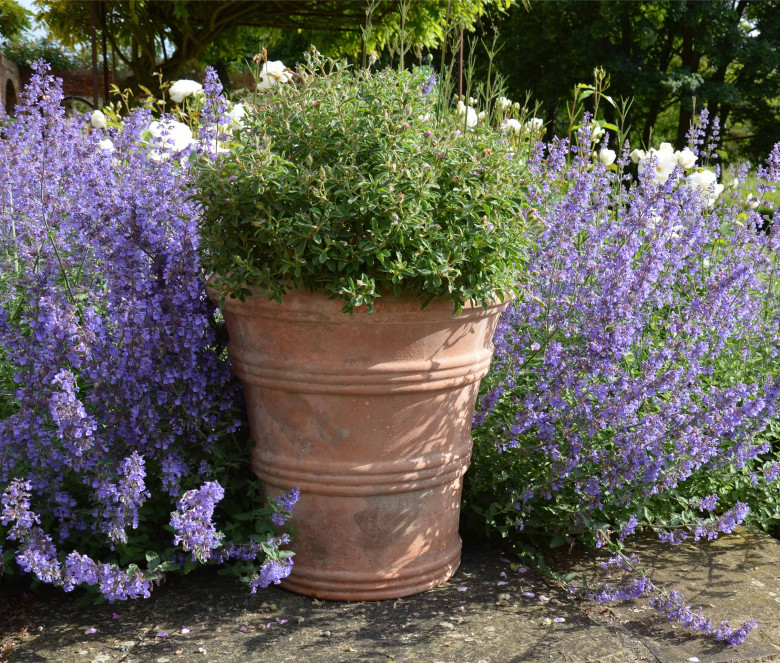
[[634, 381], [117, 415]]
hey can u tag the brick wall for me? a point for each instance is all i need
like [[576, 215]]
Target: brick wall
[[10, 84], [75, 83]]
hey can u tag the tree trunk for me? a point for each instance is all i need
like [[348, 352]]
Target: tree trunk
[[690, 61]]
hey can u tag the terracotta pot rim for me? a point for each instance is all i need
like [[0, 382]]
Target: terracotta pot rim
[[302, 302]]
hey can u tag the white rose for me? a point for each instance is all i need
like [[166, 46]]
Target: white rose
[[106, 145], [511, 126], [534, 124], [596, 132], [184, 88], [752, 201], [686, 158], [98, 120], [637, 155], [665, 164], [607, 157], [171, 135], [504, 103], [237, 114], [471, 115], [706, 182], [273, 73]]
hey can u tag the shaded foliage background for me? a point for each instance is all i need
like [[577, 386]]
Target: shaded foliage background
[[666, 55]]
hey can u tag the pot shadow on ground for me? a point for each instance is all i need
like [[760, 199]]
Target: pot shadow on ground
[[225, 619], [486, 621]]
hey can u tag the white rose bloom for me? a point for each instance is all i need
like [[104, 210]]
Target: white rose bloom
[[596, 132], [98, 120], [686, 158], [706, 182], [273, 73], [666, 162], [637, 155], [171, 135], [534, 124], [511, 126], [607, 157], [504, 103], [752, 201], [106, 145], [471, 115], [184, 88], [237, 114]]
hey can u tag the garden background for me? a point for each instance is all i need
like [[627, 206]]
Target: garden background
[[648, 401]]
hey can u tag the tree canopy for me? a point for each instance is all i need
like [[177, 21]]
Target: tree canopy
[[14, 19], [663, 54], [149, 36]]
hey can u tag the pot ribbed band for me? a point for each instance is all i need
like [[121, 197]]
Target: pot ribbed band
[[353, 479], [395, 377]]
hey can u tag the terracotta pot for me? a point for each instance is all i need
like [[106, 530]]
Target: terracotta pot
[[370, 415]]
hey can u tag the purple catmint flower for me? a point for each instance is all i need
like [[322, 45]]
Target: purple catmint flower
[[16, 511], [708, 503], [286, 502], [122, 500], [429, 84], [272, 572], [107, 331], [192, 521]]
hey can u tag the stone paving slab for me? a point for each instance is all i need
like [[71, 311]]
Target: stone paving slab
[[471, 619], [734, 578]]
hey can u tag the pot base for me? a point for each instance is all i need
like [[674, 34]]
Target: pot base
[[347, 586]]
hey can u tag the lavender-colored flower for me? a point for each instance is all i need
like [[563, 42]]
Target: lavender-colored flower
[[192, 521], [708, 503], [286, 502], [107, 331], [429, 84], [272, 572]]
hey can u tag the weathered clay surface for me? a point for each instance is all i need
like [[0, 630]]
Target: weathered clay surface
[[370, 416]]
